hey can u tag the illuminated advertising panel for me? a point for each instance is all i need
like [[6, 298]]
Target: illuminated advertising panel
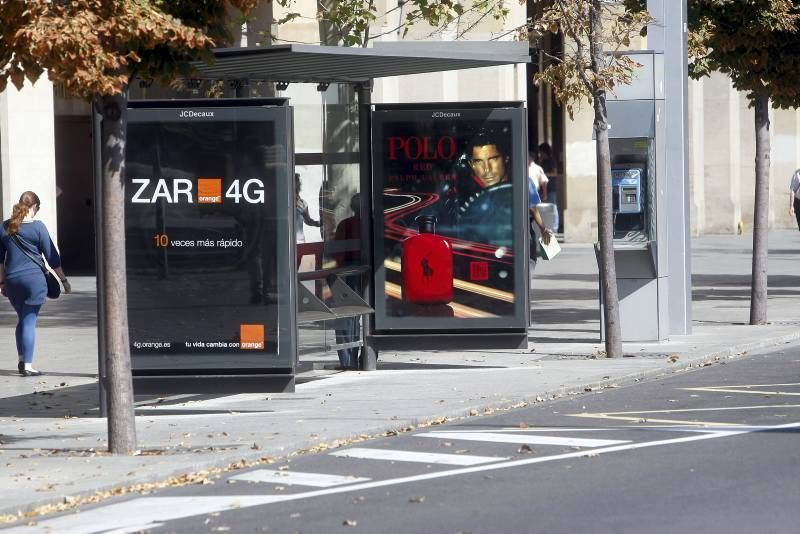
[[208, 237], [451, 218]]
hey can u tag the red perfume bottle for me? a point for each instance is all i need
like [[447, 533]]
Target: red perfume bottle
[[427, 265]]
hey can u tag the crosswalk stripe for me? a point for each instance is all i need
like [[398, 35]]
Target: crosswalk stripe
[[420, 457], [297, 478], [527, 439], [143, 512], [149, 511]]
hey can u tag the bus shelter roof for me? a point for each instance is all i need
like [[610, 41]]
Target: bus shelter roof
[[332, 64]]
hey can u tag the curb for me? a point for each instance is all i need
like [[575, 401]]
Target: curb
[[223, 461]]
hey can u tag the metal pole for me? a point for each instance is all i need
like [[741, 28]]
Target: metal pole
[[97, 125], [369, 356], [669, 33]]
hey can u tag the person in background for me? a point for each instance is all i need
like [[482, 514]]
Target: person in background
[[537, 174], [349, 254], [301, 215], [548, 164], [21, 278], [794, 196], [536, 218]]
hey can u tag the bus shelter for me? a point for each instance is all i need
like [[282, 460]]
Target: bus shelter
[[433, 253]]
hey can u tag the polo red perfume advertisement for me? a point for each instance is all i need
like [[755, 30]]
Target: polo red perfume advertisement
[[450, 214]]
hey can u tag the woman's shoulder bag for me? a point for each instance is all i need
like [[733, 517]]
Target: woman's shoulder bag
[[53, 287]]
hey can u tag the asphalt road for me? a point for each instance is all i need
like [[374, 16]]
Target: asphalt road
[[714, 450]]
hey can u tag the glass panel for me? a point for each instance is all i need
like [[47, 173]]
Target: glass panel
[[452, 185], [207, 238]]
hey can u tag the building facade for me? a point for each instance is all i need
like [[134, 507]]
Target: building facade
[[45, 137]]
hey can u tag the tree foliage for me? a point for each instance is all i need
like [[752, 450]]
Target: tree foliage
[[576, 76], [352, 20], [755, 42], [93, 47]]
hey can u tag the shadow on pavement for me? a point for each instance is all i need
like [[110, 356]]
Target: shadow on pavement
[[75, 310], [743, 280], [65, 402], [564, 316], [416, 366]]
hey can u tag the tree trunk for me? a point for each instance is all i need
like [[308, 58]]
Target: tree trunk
[[605, 232], [605, 222], [118, 382], [758, 288]]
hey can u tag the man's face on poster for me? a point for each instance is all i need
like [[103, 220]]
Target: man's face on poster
[[488, 165]]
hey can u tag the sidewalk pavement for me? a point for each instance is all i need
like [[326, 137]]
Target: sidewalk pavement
[[52, 441]]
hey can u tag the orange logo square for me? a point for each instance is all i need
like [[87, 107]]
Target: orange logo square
[[209, 190], [251, 337]]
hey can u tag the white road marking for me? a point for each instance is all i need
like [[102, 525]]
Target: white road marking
[[419, 457], [135, 529], [160, 509], [528, 439], [142, 511], [297, 478]]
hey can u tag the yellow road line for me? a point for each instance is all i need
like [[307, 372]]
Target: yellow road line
[[648, 420], [751, 391], [686, 410], [754, 385], [637, 416], [471, 287]]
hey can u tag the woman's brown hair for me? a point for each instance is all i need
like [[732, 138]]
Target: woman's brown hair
[[27, 200]]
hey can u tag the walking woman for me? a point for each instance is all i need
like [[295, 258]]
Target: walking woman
[[21, 278]]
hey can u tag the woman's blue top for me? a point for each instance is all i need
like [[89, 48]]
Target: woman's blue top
[[34, 236]]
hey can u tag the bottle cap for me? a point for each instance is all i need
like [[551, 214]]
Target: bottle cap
[[426, 223]]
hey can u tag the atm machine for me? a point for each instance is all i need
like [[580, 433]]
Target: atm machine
[[636, 143], [626, 185]]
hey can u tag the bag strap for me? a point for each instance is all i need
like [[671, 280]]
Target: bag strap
[[34, 258]]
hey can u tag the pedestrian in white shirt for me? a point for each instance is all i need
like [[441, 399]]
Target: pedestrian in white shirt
[[538, 176]]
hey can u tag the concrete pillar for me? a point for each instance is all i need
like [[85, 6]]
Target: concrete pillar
[[722, 167], [580, 219], [697, 134], [746, 139], [668, 33], [27, 148], [785, 152]]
